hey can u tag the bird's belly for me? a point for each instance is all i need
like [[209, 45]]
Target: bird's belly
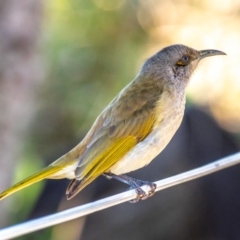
[[144, 152]]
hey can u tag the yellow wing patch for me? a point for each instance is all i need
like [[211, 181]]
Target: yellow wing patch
[[101, 164], [110, 145], [108, 150], [110, 156]]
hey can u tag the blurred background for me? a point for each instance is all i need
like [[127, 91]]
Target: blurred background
[[61, 64]]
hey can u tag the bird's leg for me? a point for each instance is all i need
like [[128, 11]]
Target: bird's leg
[[135, 184]]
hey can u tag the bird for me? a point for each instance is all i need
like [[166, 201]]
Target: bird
[[133, 129]]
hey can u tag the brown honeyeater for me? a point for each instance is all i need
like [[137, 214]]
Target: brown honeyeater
[[133, 129]]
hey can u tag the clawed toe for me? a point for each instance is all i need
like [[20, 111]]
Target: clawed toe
[[153, 187], [152, 191], [141, 194], [135, 184]]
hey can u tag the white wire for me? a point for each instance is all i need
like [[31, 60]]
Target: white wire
[[76, 212]]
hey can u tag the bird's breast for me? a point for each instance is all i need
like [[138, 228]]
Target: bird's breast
[[169, 114]]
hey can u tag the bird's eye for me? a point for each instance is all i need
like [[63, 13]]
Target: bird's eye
[[184, 61]]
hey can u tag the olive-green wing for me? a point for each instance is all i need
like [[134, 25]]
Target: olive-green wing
[[127, 121], [113, 143]]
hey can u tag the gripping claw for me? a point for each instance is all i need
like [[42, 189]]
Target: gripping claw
[[135, 184]]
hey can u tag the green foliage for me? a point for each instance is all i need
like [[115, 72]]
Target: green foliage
[[90, 54]]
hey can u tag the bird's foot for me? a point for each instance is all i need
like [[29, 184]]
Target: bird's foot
[[135, 184], [141, 194]]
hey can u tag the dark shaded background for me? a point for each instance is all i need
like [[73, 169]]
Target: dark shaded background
[[207, 208]]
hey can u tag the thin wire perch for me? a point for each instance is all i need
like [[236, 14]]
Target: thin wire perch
[[76, 212]]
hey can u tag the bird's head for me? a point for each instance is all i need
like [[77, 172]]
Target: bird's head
[[176, 63]]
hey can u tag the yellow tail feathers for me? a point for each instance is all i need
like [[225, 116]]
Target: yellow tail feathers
[[38, 176]]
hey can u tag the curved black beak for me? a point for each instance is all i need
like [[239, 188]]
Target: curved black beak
[[209, 53]]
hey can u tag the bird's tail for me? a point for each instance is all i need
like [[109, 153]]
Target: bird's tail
[[38, 176], [76, 186]]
